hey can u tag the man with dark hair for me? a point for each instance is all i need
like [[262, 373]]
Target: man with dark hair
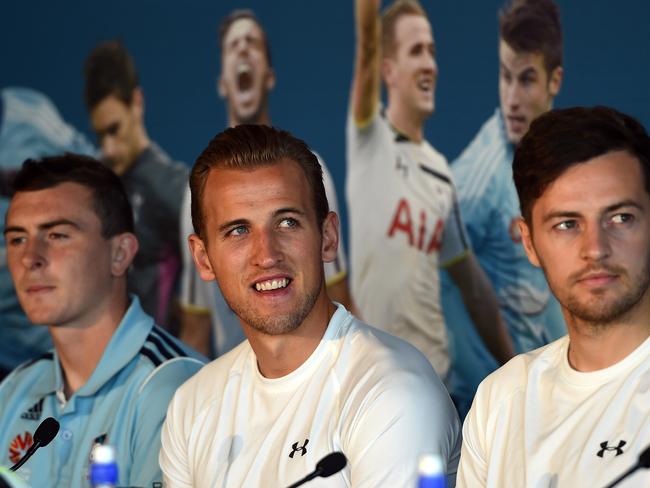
[[404, 223], [246, 81], [30, 127], [577, 411], [311, 378], [155, 184], [70, 241], [530, 75]]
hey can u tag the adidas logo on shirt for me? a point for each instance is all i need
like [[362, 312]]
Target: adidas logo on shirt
[[35, 412]]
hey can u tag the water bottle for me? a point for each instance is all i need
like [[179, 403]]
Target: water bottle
[[103, 467], [431, 472]]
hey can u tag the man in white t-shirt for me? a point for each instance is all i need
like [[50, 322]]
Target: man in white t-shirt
[[577, 411], [404, 221], [311, 379], [246, 81]]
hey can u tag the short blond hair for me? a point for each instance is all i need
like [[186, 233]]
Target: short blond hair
[[389, 20]]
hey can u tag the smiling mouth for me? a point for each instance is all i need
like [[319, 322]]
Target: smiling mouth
[[270, 285], [425, 85]]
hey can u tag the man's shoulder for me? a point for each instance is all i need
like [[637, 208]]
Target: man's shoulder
[[164, 360], [486, 155], [373, 356], [521, 372], [376, 127], [206, 386], [154, 163], [28, 374]]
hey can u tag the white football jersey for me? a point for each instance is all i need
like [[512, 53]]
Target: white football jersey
[[362, 392], [404, 224], [538, 422]]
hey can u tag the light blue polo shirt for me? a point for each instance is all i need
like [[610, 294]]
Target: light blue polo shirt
[[124, 404], [489, 205], [30, 127]]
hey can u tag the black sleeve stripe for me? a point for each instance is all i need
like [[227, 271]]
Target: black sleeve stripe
[[155, 341], [151, 355], [435, 173], [168, 341], [459, 222], [46, 355]]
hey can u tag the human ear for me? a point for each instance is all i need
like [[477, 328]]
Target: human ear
[[124, 246], [527, 241], [200, 256], [330, 234]]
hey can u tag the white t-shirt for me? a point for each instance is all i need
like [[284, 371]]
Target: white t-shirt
[[404, 224], [205, 297], [362, 392], [537, 422]]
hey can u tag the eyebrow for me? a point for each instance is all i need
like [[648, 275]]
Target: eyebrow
[[528, 71], [574, 215], [44, 226], [237, 222]]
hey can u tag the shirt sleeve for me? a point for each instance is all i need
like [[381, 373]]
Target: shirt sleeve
[[472, 470], [362, 142], [32, 127], [152, 405], [401, 422], [173, 459]]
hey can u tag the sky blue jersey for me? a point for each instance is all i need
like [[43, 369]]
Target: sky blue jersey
[[490, 208], [124, 403], [30, 127]]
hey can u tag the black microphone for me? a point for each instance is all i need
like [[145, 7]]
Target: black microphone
[[330, 464], [42, 437], [643, 462]]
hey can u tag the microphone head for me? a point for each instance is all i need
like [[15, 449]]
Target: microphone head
[[330, 464], [644, 458], [46, 431]]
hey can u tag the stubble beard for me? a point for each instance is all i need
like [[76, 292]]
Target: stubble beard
[[600, 313], [276, 324]]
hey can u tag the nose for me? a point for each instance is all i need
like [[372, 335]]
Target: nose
[[109, 147], [512, 95], [595, 245], [33, 255], [266, 250], [243, 45], [429, 63]]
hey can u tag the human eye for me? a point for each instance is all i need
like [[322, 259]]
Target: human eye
[[565, 225], [528, 79], [238, 231], [288, 223], [57, 236], [15, 240], [622, 218], [113, 129], [417, 49]]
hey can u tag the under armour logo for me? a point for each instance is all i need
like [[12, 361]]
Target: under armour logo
[[301, 449], [402, 167], [605, 447]]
